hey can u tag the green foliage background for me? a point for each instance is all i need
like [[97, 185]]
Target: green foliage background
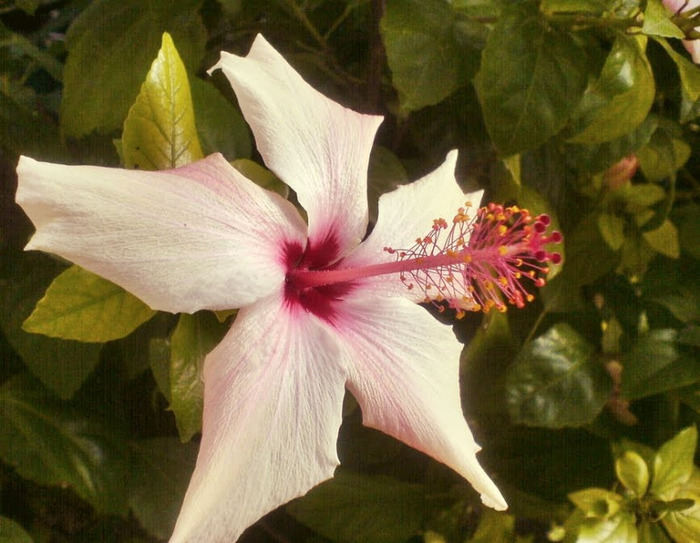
[[584, 402]]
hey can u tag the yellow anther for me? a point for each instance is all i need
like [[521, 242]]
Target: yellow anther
[[467, 259], [502, 230], [503, 281], [503, 250]]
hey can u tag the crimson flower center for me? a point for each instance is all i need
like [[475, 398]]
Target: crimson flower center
[[476, 263]]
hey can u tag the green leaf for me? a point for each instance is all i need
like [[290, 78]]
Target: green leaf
[[11, 532], [530, 82], [654, 365], [684, 524], [651, 532], [193, 338], [657, 21], [50, 443], [494, 527], [386, 173], [556, 381], [105, 67], [597, 158], [426, 61], [61, 365], [688, 220], [618, 529], [261, 176], [673, 464], [160, 132], [664, 239], [82, 306], [633, 472], [574, 6], [689, 75], [612, 228], [353, 508], [588, 256], [162, 471], [620, 99], [664, 155], [596, 502], [220, 126]]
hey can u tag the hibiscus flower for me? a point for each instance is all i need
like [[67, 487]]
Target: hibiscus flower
[[682, 6], [320, 309]]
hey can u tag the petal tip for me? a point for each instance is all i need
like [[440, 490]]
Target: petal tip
[[494, 502]]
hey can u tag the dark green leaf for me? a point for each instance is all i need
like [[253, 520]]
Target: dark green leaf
[[191, 341], [50, 443], [612, 228], [619, 101], [427, 63], [110, 48], [160, 132], [162, 471], [529, 82], [689, 75], [597, 158], [588, 256], [24, 132], [82, 306], [665, 153], [61, 365], [353, 508], [556, 381], [655, 365], [11, 532], [220, 126], [386, 173], [494, 527]]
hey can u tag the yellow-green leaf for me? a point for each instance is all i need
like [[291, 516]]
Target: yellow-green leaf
[[82, 306], [160, 132], [673, 465], [664, 239], [633, 472]]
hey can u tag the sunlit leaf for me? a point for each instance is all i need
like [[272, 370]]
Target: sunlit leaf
[[50, 443], [61, 365], [494, 527], [673, 464], [372, 509], [684, 523], [160, 132], [633, 472], [162, 471], [596, 502], [665, 153], [105, 68], [530, 82], [657, 21], [261, 176], [620, 98], [556, 381], [82, 306]]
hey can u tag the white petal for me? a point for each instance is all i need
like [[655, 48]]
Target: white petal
[[198, 237], [272, 409], [313, 144], [407, 213], [404, 372]]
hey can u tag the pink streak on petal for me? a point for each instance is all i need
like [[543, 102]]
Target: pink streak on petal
[[315, 145], [404, 372], [198, 237], [272, 409]]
